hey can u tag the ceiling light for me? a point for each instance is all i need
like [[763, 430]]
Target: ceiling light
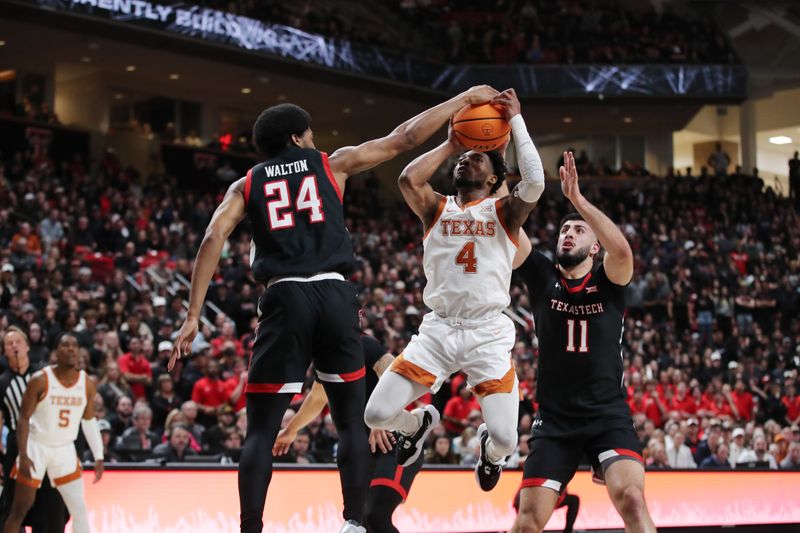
[[174, 76], [118, 96], [281, 97], [246, 90], [2, 42], [780, 139], [346, 110], [93, 46], [86, 59], [566, 120], [131, 68], [627, 120], [263, 79], [369, 101], [335, 133]]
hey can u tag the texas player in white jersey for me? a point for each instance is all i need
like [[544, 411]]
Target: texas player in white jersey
[[469, 247], [56, 403]]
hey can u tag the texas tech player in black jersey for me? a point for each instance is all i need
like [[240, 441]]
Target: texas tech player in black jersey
[[308, 312], [389, 482], [578, 313]]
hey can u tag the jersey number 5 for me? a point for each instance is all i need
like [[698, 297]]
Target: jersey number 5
[[583, 325], [466, 258], [63, 418], [280, 217]]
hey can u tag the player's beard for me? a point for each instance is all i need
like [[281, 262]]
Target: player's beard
[[574, 257]]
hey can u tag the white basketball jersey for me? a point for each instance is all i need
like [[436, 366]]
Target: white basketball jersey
[[468, 260], [57, 417]]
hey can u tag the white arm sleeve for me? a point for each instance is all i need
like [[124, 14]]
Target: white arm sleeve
[[531, 187], [93, 438]]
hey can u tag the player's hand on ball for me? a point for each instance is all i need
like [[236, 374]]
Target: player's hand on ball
[[452, 138], [183, 342], [381, 439], [480, 94], [283, 442], [509, 102], [99, 468], [25, 466], [569, 177]]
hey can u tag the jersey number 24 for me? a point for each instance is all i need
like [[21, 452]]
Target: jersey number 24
[[279, 202]]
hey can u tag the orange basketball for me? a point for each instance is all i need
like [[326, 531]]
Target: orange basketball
[[481, 127]]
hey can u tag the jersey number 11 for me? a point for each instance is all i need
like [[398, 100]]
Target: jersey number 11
[[583, 325]]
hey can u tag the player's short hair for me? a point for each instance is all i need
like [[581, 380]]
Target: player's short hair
[[275, 126], [65, 334], [15, 329], [499, 168], [569, 217]]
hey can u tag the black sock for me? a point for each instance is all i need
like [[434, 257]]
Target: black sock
[[347, 403], [381, 503], [264, 415]]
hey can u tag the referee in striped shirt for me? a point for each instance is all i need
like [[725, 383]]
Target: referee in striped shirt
[[48, 514]]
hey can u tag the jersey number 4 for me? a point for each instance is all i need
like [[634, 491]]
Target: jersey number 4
[[466, 258], [279, 207], [583, 326]]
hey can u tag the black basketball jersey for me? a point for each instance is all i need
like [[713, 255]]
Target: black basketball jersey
[[579, 326], [295, 207]]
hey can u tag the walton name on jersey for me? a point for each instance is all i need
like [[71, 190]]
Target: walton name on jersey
[[572, 309], [283, 169], [66, 400], [470, 228]]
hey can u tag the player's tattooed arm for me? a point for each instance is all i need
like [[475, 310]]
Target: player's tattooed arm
[[618, 262], [351, 160]]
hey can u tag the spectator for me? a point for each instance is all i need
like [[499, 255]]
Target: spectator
[[189, 414], [709, 445], [736, 446], [210, 392], [517, 459], [794, 180], [679, 455], [113, 386], [792, 460], [659, 460], [456, 412], [441, 453], [135, 368], [717, 460], [164, 400], [177, 448], [299, 453], [719, 161], [214, 438], [122, 417], [759, 453], [139, 436]]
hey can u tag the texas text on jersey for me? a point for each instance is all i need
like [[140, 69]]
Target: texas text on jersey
[[295, 207], [579, 326]]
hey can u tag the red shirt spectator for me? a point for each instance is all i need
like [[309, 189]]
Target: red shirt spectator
[[640, 404], [792, 404], [227, 336], [235, 392], [210, 392], [458, 409], [136, 368], [720, 407], [744, 402]]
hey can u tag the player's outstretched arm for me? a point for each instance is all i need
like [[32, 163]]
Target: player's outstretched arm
[[91, 431], [518, 205], [311, 407], [229, 213], [618, 262], [413, 181], [37, 387], [351, 160]]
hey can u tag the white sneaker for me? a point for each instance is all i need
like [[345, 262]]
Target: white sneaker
[[409, 447], [351, 526]]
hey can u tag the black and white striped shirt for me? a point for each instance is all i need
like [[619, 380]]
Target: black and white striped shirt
[[12, 387]]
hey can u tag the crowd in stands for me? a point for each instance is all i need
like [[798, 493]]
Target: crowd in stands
[[711, 344], [510, 31]]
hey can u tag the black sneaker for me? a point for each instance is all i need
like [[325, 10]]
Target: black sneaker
[[487, 474], [409, 447]]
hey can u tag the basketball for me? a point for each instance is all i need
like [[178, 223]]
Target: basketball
[[481, 127]]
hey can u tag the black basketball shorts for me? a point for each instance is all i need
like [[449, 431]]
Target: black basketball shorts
[[555, 456], [301, 322]]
